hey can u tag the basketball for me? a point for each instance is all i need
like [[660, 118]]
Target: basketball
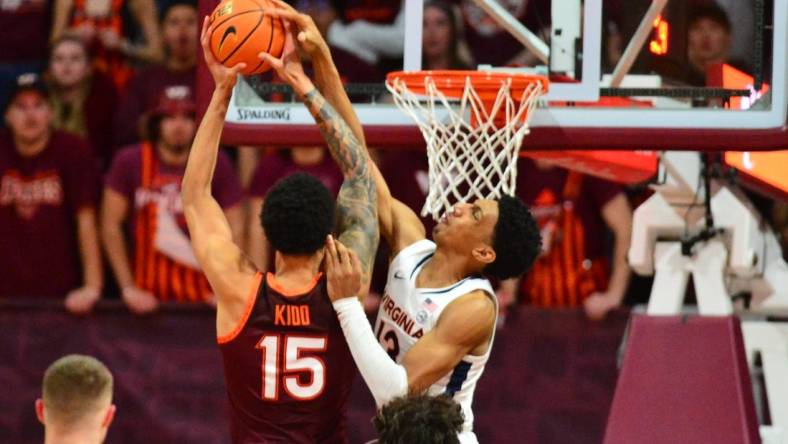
[[240, 30]]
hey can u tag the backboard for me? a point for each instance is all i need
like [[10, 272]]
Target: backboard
[[619, 74]]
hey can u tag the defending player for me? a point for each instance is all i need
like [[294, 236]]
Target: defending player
[[437, 318], [287, 368]]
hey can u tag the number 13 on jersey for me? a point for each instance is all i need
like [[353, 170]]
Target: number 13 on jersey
[[285, 366]]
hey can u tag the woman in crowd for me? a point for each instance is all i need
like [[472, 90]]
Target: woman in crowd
[[442, 44], [103, 26], [82, 100]]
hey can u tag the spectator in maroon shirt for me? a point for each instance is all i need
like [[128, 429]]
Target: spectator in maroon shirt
[[143, 193], [272, 168], [83, 100], [179, 31], [576, 267], [48, 239]]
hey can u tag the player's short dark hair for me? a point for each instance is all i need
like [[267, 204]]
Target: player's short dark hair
[[516, 240], [419, 419], [709, 11], [298, 214]]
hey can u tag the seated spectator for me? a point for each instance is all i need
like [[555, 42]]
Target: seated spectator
[[143, 192], [76, 401], [442, 43], [83, 101], [271, 169], [352, 68], [421, 419], [708, 42], [100, 24], [47, 206], [24, 27], [493, 45], [370, 30], [179, 26], [574, 213]]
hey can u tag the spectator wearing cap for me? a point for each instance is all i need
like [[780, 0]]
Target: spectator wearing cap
[[179, 26], [102, 24], [143, 192], [47, 205], [83, 100]]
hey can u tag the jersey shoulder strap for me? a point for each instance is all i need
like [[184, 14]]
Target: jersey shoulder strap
[[413, 252]]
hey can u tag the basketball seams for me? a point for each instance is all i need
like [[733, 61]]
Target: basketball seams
[[270, 41], [241, 43], [261, 10]]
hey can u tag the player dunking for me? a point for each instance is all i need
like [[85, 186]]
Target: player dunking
[[436, 322], [287, 368]]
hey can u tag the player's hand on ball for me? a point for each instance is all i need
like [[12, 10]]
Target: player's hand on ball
[[343, 270], [289, 67], [223, 77], [139, 301], [306, 32], [81, 300]]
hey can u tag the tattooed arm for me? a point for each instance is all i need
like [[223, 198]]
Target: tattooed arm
[[357, 201], [398, 224]]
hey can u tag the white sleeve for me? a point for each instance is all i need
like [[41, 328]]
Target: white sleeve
[[369, 41], [385, 378]]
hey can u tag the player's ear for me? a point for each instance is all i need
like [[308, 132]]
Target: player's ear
[[40, 410], [109, 416], [484, 254]]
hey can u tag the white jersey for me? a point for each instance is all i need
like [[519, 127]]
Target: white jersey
[[407, 313]]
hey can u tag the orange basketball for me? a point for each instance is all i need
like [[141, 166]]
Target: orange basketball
[[240, 30]]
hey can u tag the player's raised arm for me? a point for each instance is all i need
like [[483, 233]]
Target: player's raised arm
[[399, 225], [463, 328], [228, 271], [357, 201]]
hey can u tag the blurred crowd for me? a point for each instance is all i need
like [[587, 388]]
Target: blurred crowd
[[99, 114]]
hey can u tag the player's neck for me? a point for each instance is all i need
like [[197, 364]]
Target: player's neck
[[442, 270], [79, 436], [293, 271]]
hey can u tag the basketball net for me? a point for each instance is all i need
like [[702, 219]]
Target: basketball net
[[473, 146]]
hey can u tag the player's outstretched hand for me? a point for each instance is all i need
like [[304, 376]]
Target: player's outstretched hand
[[223, 77], [306, 32], [343, 270], [289, 67]]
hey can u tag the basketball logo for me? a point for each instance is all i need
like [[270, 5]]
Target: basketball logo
[[241, 30]]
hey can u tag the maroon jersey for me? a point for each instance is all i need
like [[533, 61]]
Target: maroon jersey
[[287, 367]]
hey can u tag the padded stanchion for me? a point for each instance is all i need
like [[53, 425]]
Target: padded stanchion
[[683, 380]]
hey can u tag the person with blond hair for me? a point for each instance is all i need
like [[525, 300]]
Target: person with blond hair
[[76, 401]]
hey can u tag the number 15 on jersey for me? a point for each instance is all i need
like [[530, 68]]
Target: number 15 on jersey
[[283, 367]]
